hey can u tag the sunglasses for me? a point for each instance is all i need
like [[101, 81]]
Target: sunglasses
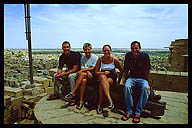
[[106, 50], [135, 48], [65, 46]]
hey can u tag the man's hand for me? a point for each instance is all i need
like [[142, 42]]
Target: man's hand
[[59, 75]]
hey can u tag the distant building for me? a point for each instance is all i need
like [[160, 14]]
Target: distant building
[[178, 57]]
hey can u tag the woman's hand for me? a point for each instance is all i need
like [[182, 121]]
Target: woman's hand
[[79, 72], [106, 72], [89, 75]]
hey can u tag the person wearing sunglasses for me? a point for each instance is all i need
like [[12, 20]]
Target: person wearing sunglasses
[[85, 75], [72, 61], [136, 71], [106, 72]]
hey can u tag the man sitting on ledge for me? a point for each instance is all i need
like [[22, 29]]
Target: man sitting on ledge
[[72, 61], [138, 63]]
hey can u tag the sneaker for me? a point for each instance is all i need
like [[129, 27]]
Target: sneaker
[[69, 97]]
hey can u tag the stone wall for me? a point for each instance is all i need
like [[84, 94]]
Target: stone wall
[[169, 81]]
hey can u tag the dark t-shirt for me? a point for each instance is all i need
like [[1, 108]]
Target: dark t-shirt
[[72, 59], [138, 66]]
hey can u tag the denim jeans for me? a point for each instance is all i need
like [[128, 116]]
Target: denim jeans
[[71, 77], [143, 84]]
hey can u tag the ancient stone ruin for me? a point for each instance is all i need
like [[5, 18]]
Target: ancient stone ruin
[[178, 57]]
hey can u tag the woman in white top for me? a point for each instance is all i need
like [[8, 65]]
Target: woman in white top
[[105, 70]]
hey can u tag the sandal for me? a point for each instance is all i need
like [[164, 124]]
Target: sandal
[[137, 119], [69, 96], [99, 110], [80, 105], [125, 117], [72, 103], [53, 97], [111, 105]]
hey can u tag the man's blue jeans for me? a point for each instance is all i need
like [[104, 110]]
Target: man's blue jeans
[[143, 85]]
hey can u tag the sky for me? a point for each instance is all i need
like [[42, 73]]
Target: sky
[[153, 25]]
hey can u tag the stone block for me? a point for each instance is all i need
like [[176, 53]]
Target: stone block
[[26, 121], [25, 82], [184, 74], [37, 91], [15, 92], [15, 116], [51, 84], [177, 73], [170, 73], [16, 102], [7, 111], [162, 72], [7, 119], [38, 85], [33, 91], [28, 91], [49, 90], [42, 80], [7, 101]]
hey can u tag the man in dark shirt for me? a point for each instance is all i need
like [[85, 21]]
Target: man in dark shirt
[[72, 61], [136, 70]]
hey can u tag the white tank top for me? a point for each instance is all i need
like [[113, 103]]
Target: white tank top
[[107, 66]]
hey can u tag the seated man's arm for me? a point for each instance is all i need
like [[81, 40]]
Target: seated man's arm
[[74, 69]]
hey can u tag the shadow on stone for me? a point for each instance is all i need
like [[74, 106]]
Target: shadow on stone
[[116, 111], [64, 106], [105, 113]]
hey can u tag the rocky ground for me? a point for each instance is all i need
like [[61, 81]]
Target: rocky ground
[[16, 64]]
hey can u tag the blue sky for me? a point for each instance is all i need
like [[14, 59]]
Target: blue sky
[[154, 25]]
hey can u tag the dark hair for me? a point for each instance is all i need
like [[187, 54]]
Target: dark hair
[[66, 42], [108, 46], [136, 42]]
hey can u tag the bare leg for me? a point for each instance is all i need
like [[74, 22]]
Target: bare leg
[[105, 84], [78, 81], [82, 89]]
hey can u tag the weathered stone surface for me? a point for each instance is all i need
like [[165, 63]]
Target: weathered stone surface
[[16, 102], [7, 111], [28, 91], [178, 62], [49, 90], [7, 101], [15, 92], [42, 80], [26, 121], [170, 81], [54, 112]]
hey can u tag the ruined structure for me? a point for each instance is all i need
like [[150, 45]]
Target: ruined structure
[[178, 57]]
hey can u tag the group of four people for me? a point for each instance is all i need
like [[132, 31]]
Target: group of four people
[[88, 67]]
